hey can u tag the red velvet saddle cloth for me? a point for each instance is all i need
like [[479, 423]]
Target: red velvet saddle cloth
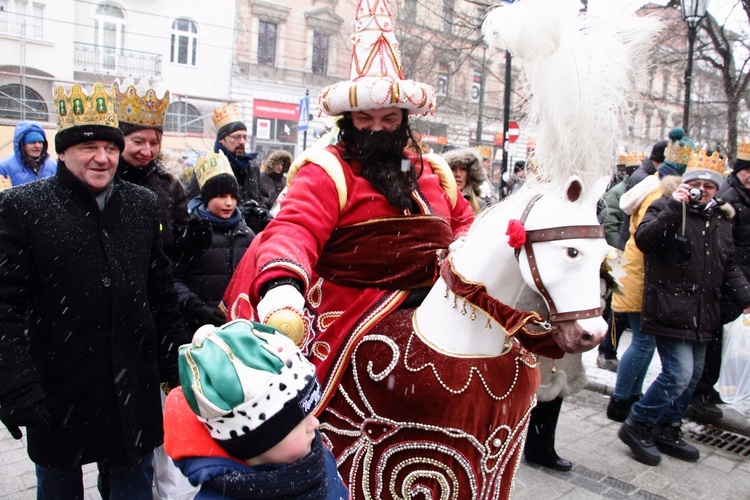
[[408, 419]]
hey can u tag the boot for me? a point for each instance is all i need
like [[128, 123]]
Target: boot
[[638, 436], [668, 438], [540, 440], [619, 409]]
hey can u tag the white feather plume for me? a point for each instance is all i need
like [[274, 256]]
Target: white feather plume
[[580, 68]]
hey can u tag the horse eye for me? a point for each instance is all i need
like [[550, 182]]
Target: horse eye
[[572, 252]]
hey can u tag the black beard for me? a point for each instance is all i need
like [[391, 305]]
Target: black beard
[[379, 155]]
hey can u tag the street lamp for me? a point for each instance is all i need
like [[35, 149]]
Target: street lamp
[[693, 11]]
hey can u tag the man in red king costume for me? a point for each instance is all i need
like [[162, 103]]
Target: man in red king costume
[[363, 221]]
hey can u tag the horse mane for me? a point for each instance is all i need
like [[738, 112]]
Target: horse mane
[[580, 68]]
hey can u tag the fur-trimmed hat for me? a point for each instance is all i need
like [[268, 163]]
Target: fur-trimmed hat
[[278, 156], [248, 383], [377, 78], [471, 160], [215, 176]]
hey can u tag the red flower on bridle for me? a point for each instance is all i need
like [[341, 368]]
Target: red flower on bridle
[[516, 233]]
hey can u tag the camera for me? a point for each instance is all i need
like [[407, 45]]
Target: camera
[[695, 194]]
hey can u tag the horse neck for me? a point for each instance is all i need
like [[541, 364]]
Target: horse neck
[[483, 257]]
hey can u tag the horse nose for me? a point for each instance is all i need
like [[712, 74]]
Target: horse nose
[[587, 337]]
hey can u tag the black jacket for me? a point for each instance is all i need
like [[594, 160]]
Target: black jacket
[[200, 284], [739, 197], [271, 185], [173, 214], [682, 296], [95, 290]]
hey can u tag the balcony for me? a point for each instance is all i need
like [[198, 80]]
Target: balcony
[[100, 60]]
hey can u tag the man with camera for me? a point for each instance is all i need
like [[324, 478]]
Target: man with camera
[[688, 248]]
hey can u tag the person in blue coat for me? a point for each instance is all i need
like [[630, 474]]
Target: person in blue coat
[[30, 160]]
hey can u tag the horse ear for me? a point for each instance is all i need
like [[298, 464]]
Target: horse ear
[[573, 189]]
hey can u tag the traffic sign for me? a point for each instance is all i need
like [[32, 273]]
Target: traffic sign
[[513, 131], [304, 114]]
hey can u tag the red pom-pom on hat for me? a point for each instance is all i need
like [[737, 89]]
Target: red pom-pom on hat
[[516, 233]]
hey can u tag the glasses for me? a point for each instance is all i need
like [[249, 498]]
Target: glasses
[[706, 186], [237, 137]]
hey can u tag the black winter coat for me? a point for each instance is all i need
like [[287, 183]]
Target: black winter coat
[[96, 292], [682, 297], [201, 284], [739, 197], [271, 185], [173, 213]]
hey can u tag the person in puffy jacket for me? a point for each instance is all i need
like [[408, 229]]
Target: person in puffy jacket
[[201, 282], [30, 160]]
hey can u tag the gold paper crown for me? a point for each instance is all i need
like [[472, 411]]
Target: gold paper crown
[[743, 150], [147, 111], [678, 154], [226, 114], [700, 160], [631, 159], [79, 108], [211, 165]]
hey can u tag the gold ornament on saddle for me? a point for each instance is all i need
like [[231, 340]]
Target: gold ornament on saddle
[[145, 111], [288, 322], [79, 108]]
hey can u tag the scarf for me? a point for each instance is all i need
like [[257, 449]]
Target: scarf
[[229, 223], [304, 479], [35, 164]]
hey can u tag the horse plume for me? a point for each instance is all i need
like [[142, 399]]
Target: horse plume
[[579, 67]]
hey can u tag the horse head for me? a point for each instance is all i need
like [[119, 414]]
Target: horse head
[[561, 259]]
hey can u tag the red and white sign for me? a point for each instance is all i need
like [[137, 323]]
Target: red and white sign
[[272, 109], [513, 131]]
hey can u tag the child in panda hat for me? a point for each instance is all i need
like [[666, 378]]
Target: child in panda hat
[[242, 424]]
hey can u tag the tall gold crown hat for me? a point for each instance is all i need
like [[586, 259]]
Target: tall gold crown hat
[[376, 76], [631, 159], [705, 167], [146, 111], [743, 149], [83, 117], [227, 119]]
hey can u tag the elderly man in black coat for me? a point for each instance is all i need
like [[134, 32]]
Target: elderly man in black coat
[[88, 313]]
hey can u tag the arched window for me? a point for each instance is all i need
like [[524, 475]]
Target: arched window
[[184, 42], [183, 117], [18, 102], [109, 33]]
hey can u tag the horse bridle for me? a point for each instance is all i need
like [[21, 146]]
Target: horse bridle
[[554, 234]]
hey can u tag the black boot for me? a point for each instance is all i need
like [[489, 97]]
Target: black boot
[[639, 437], [619, 409], [540, 440]]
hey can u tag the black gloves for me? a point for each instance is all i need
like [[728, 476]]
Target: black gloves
[[23, 407], [256, 215], [210, 315], [199, 233]]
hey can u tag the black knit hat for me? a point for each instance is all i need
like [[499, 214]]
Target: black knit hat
[[84, 133], [230, 128], [740, 165], [219, 185], [657, 152]]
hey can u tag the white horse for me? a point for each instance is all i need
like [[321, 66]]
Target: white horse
[[435, 401]]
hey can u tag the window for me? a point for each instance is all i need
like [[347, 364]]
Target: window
[[646, 134], [184, 42], [4, 16], [266, 42], [37, 21], [442, 79], [18, 102], [17, 19], [320, 54], [184, 118], [109, 34]]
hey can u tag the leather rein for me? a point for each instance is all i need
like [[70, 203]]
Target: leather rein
[[555, 234]]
